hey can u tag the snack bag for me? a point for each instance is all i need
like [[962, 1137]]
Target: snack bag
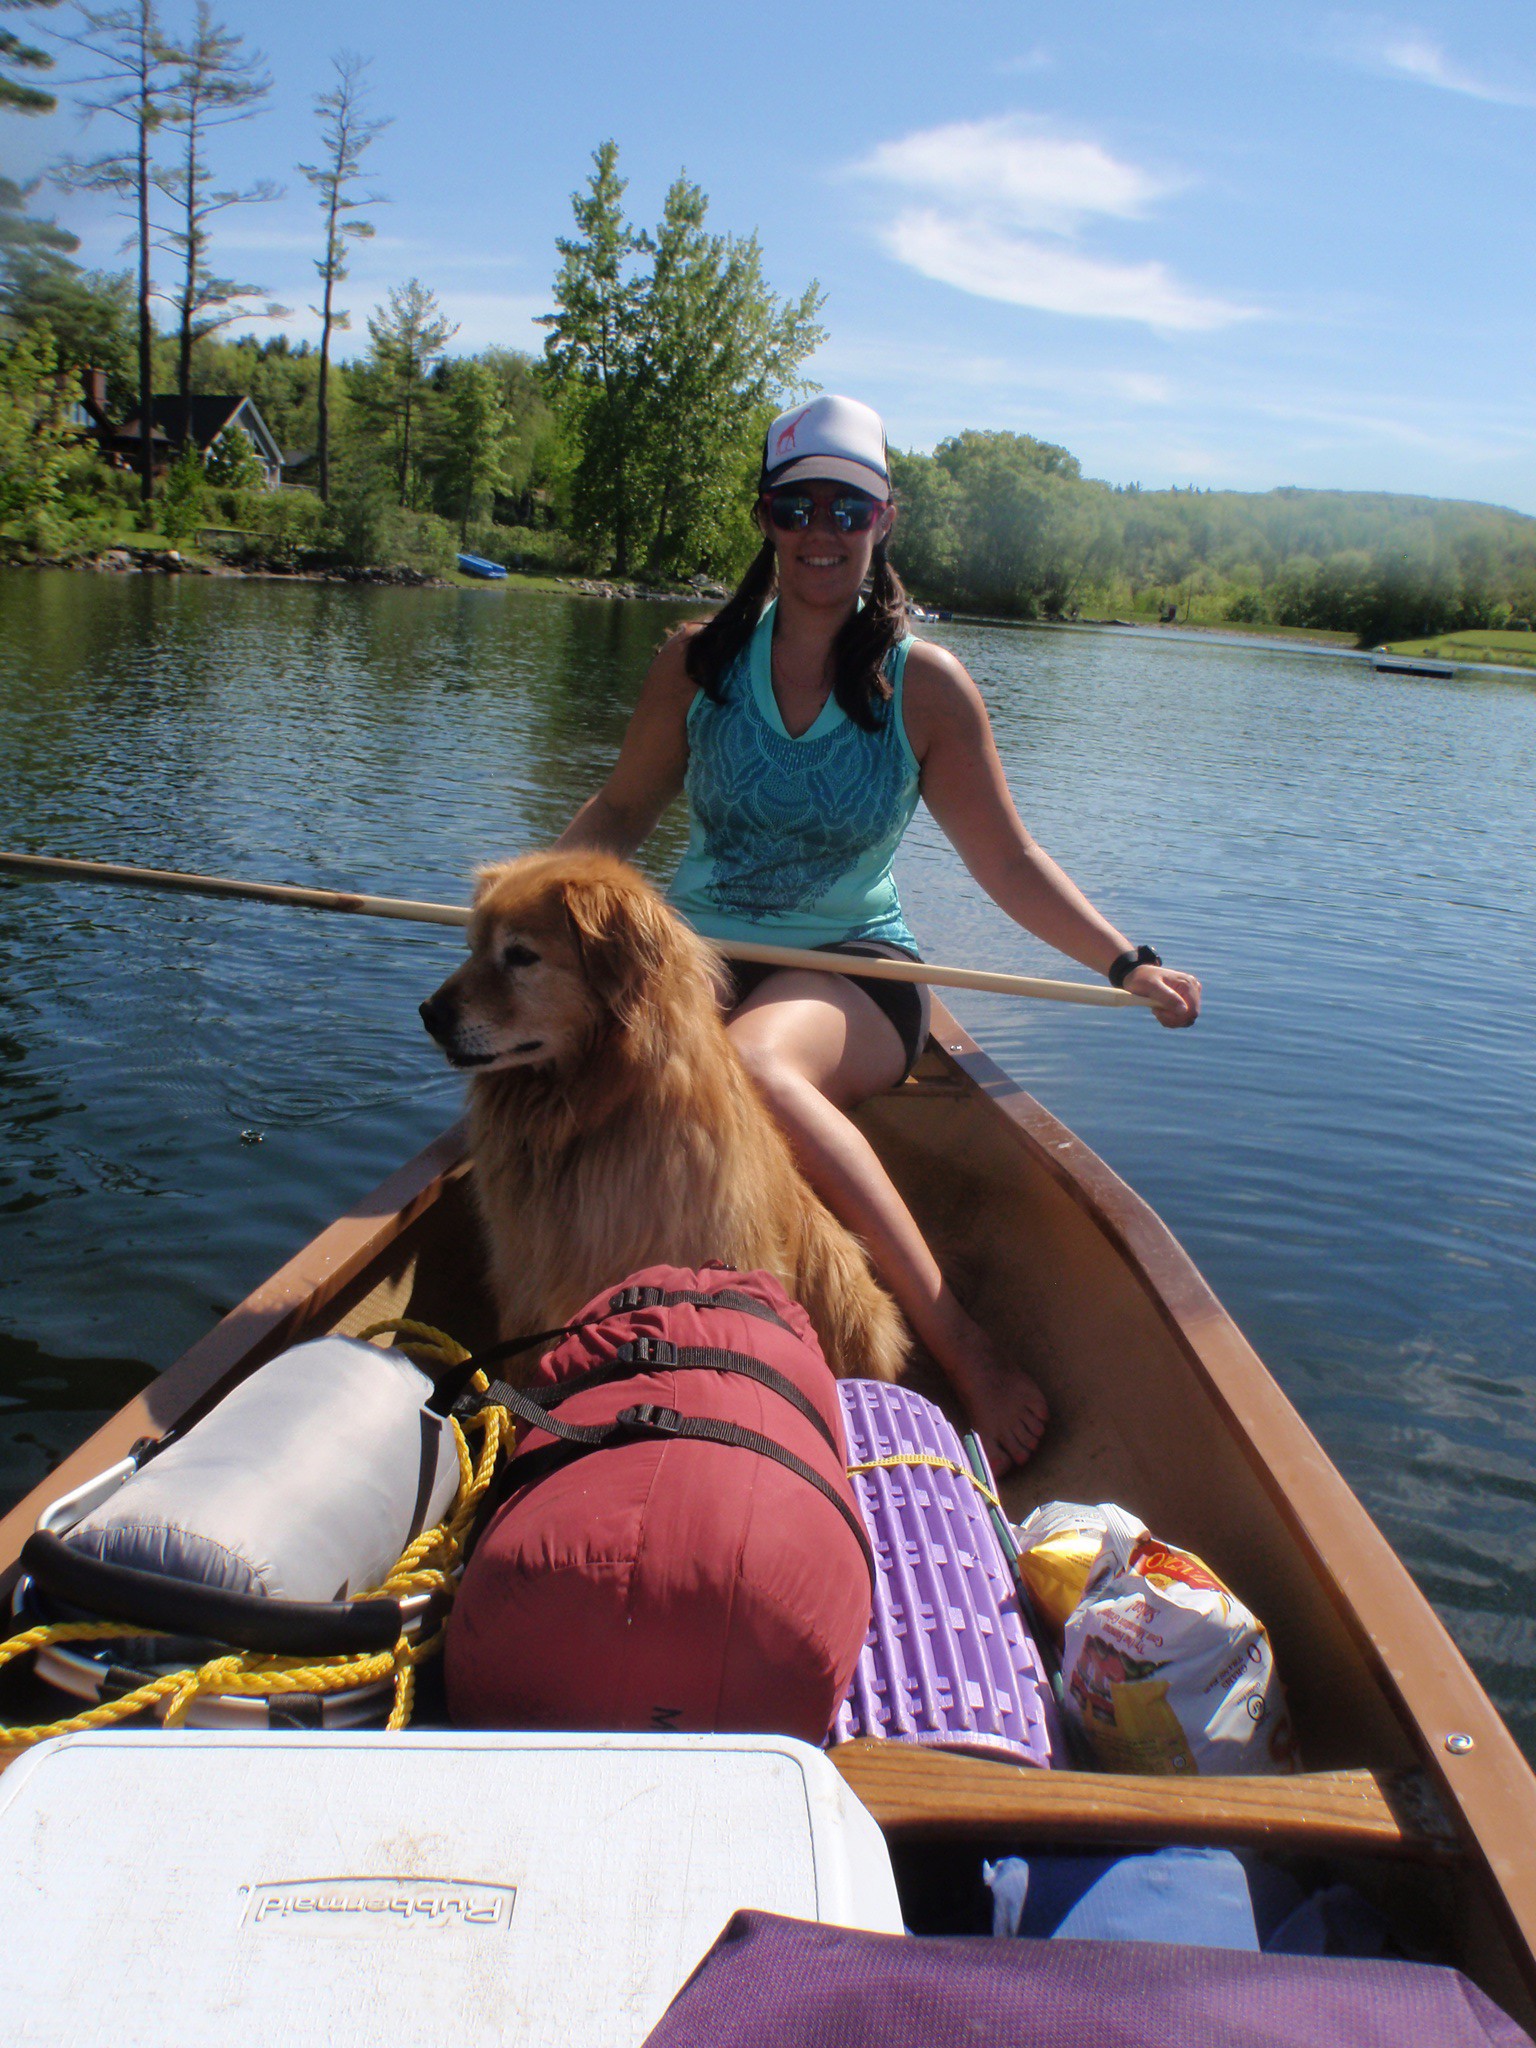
[[1164, 1671], [1057, 1547]]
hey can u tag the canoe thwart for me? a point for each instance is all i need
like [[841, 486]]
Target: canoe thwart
[[915, 1793]]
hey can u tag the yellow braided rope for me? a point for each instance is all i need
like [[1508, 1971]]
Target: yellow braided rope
[[429, 1564], [929, 1458]]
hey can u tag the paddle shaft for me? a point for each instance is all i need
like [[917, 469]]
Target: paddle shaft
[[45, 867]]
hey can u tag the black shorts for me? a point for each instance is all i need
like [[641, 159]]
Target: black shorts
[[906, 1003]]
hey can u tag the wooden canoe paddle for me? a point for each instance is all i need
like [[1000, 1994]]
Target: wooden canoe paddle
[[45, 867]]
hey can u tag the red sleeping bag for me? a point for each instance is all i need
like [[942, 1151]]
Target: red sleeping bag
[[660, 1581]]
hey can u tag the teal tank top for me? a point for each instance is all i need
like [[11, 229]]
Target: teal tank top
[[791, 840]]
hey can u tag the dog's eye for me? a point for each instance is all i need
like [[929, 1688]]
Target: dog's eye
[[519, 955]]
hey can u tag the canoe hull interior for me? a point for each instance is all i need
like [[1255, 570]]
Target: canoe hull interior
[[1157, 1402]]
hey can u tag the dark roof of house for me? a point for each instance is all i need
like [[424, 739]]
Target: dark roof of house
[[211, 414]]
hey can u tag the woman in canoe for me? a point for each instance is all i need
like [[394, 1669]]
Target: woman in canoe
[[804, 722]]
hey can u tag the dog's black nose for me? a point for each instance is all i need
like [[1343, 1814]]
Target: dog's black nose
[[437, 1015]]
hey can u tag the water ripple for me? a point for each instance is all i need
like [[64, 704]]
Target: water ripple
[[1344, 1144]]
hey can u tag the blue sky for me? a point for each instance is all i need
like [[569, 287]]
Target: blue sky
[[1229, 244]]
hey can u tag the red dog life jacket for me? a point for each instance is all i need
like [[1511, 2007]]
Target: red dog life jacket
[[663, 1581]]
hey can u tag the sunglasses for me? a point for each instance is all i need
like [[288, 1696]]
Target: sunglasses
[[850, 511]]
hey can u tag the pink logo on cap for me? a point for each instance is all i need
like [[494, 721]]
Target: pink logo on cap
[[785, 438]]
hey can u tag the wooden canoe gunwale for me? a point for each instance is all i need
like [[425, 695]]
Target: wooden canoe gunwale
[[1488, 1793], [274, 1315]]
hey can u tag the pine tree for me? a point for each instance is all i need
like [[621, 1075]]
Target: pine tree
[[407, 340], [346, 133], [136, 63], [594, 355], [16, 96], [29, 248], [213, 85]]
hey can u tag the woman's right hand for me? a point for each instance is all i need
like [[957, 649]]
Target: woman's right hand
[[1174, 995]]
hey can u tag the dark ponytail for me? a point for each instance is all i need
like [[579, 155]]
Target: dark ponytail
[[859, 652], [715, 646]]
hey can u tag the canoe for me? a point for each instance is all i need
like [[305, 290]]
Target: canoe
[[477, 565], [1411, 1785]]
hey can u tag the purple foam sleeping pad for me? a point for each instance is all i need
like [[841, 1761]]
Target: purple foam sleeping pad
[[773, 1983], [948, 1660]]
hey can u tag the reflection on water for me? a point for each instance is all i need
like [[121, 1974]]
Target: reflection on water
[[189, 1089]]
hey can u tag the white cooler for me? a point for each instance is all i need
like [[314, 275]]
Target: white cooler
[[200, 1887]]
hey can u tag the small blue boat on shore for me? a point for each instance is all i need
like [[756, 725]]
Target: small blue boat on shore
[[477, 565]]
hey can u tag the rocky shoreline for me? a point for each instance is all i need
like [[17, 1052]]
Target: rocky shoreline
[[140, 561], [698, 587], [130, 561]]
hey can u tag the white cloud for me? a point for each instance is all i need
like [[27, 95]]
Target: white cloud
[[986, 192], [852, 359], [978, 255], [1027, 60], [1015, 169], [1409, 53], [1141, 388]]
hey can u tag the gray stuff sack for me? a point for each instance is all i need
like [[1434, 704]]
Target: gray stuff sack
[[304, 1483]]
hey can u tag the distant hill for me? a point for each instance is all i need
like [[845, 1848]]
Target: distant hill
[[1007, 523]]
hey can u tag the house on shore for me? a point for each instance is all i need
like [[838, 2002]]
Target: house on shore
[[212, 415]]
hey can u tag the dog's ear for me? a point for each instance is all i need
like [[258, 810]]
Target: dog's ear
[[624, 933], [484, 880]]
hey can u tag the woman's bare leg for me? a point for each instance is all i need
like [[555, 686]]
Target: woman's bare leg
[[817, 1047]]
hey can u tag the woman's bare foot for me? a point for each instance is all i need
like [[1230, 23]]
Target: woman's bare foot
[[1007, 1410]]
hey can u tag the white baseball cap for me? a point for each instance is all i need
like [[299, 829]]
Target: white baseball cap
[[837, 440]]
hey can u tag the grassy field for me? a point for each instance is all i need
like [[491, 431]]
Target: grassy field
[[1510, 650], [515, 579]]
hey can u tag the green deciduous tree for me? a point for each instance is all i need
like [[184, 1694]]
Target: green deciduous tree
[[471, 440], [212, 84], [668, 353], [34, 442], [720, 351], [281, 376], [534, 448], [346, 132]]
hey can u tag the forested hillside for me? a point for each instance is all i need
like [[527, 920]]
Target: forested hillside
[[1004, 523]]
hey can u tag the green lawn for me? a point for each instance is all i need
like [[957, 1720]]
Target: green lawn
[[1515, 650], [517, 578]]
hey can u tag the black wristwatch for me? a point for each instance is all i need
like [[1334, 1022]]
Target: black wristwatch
[[1134, 957]]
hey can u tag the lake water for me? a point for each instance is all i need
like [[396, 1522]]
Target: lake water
[[189, 1089]]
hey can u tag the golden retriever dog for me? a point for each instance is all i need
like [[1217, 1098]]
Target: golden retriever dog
[[612, 1123]]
